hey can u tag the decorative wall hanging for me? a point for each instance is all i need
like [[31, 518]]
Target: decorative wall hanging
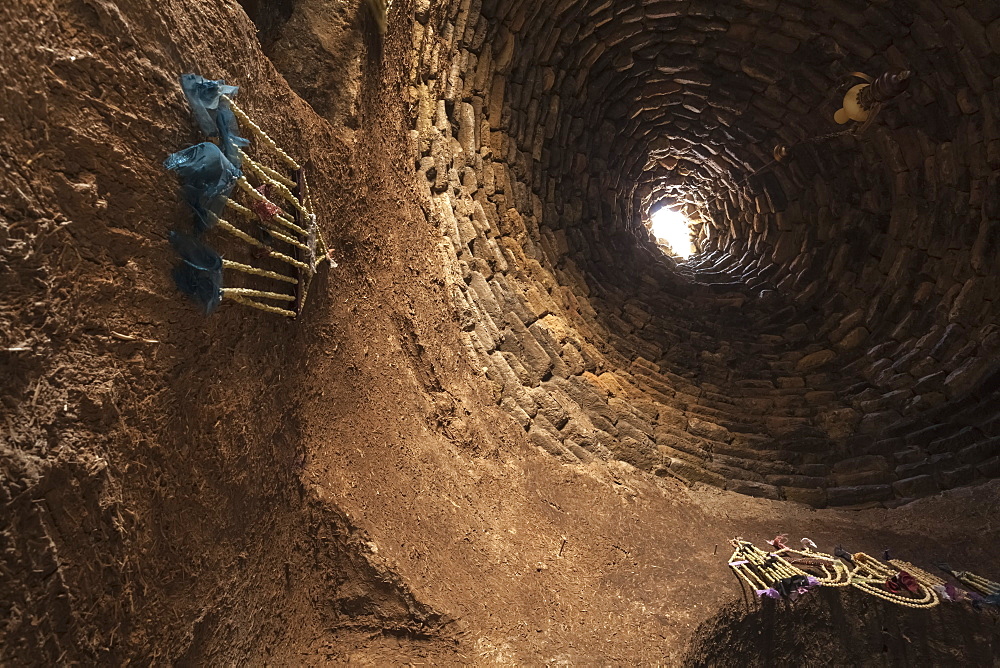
[[828, 570], [277, 213], [787, 573], [891, 583], [986, 591], [769, 575]]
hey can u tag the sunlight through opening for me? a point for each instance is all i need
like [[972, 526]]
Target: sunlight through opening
[[673, 228]]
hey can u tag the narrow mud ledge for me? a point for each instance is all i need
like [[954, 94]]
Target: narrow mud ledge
[[507, 428]]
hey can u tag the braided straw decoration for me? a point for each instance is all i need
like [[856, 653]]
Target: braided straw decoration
[[267, 170], [260, 134], [870, 574], [247, 269], [240, 234], [921, 575], [247, 292], [841, 576], [980, 584], [262, 307], [772, 567]]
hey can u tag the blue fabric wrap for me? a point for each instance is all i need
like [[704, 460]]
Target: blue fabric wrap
[[213, 114], [199, 275], [208, 178]]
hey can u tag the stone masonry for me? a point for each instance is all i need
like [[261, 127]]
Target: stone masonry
[[834, 343]]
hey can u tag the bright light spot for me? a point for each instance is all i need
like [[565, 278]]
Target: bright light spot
[[672, 227]]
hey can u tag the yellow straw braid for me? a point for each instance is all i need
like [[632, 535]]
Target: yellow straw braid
[[979, 583], [272, 228], [260, 134], [870, 574], [262, 307], [772, 567], [247, 269], [240, 234], [249, 189], [920, 574], [841, 576], [277, 185], [263, 294], [267, 170]]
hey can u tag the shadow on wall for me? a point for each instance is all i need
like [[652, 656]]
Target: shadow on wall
[[269, 16], [845, 628]]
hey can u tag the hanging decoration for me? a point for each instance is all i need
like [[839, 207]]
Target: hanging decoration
[[863, 102], [278, 221]]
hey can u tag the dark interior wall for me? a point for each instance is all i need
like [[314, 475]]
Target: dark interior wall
[[835, 342]]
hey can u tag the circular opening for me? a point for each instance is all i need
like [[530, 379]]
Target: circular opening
[[672, 231]]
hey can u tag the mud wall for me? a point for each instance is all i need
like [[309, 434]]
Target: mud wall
[[835, 341]]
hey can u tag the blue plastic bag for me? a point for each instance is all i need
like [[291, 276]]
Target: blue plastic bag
[[208, 179], [213, 114], [199, 275]]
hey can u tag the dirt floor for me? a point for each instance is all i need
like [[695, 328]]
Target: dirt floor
[[239, 488]]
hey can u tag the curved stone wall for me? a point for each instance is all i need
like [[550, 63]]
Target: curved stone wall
[[835, 341]]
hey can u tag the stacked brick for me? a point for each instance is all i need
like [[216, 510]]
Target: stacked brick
[[836, 340]]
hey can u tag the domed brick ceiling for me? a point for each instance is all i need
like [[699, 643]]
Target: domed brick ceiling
[[833, 341]]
